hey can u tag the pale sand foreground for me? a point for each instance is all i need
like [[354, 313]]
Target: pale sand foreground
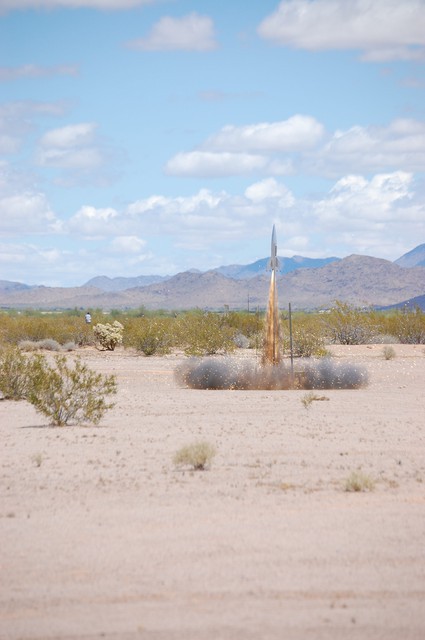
[[101, 537]]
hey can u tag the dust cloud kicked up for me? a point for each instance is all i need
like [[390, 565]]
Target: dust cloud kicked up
[[232, 373]]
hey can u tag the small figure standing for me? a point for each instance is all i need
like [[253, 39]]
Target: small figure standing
[[88, 317]]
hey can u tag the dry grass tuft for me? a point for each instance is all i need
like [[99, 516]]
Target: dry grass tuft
[[197, 455], [358, 481]]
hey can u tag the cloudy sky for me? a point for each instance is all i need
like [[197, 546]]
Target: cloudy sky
[[155, 136]]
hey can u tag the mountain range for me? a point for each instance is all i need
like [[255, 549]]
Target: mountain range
[[307, 283]]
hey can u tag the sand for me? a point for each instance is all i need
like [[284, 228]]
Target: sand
[[102, 537]]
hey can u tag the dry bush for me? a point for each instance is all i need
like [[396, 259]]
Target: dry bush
[[310, 397], [197, 455], [388, 353], [358, 481]]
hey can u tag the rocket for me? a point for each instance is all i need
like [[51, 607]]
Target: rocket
[[271, 351], [273, 263]]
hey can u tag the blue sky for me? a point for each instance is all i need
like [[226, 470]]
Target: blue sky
[[151, 137]]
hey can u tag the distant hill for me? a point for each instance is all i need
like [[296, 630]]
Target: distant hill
[[358, 280], [414, 258], [121, 283], [414, 303], [240, 272], [7, 285]]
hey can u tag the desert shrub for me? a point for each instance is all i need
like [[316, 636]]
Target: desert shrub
[[109, 335], [48, 344], [33, 345], [14, 373], [69, 346], [247, 324], [68, 394], [305, 344], [388, 352], [346, 324], [197, 455], [150, 335], [203, 334], [358, 481], [28, 345], [408, 325], [310, 397], [55, 326]]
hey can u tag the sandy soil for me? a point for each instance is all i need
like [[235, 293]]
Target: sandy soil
[[101, 537]]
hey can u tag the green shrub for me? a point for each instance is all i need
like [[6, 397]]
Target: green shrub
[[305, 344], [197, 455], [60, 327], [408, 326], [65, 394], [247, 324], [109, 335], [346, 324], [203, 334], [151, 336], [14, 373]]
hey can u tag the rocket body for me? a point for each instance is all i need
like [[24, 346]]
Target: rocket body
[[273, 263]]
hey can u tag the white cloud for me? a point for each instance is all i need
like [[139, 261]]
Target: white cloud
[[269, 189], [353, 201], [71, 136], [401, 144], [36, 71], [352, 216], [75, 159], [26, 213], [208, 164], [382, 29], [381, 215], [93, 222], [10, 5], [301, 145], [17, 120], [128, 244], [297, 133], [78, 151], [189, 33]]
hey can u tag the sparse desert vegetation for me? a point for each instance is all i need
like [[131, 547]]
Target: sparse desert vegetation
[[100, 530], [358, 481], [197, 455], [65, 393], [198, 333]]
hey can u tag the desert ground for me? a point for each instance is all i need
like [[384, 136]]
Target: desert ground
[[101, 536]]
